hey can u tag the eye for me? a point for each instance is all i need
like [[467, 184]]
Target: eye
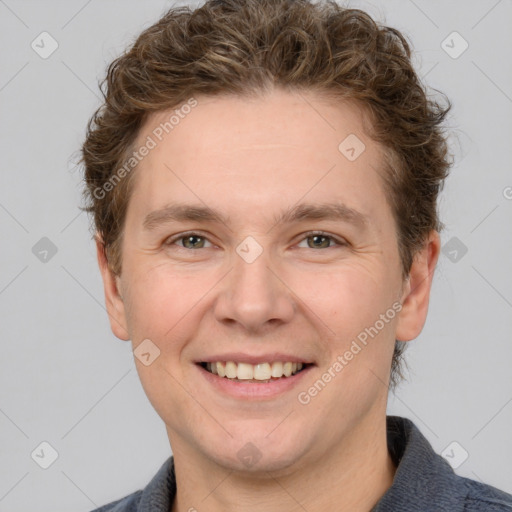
[[321, 240], [190, 241]]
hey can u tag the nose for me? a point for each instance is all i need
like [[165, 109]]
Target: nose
[[255, 296]]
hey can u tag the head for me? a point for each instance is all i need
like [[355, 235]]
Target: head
[[248, 109]]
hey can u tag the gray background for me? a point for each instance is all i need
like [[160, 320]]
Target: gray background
[[65, 379]]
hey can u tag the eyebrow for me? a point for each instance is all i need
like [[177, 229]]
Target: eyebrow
[[302, 212]]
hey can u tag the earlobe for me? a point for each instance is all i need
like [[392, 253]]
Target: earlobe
[[416, 293], [113, 299]]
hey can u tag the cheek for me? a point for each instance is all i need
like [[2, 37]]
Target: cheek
[[348, 297], [160, 299], [355, 306], [340, 299]]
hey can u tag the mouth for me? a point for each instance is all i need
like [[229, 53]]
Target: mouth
[[261, 373]]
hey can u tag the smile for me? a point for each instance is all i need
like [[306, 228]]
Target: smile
[[261, 372]]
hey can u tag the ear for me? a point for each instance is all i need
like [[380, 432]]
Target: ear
[[113, 300], [416, 292]]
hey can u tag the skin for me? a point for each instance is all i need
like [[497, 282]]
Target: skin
[[251, 159]]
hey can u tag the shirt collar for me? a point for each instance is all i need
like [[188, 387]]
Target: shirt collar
[[158, 495], [423, 478]]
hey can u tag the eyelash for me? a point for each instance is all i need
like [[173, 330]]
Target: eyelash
[[309, 234]]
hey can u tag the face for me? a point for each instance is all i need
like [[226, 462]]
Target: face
[[298, 261]]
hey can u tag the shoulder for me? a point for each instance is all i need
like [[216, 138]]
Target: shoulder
[[424, 480], [129, 503], [157, 496], [484, 497]]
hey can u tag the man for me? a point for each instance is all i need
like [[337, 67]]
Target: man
[[263, 178]]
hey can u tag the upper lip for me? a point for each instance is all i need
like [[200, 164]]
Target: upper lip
[[240, 357]]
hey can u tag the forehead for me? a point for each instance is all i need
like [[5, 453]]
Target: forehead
[[307, 120], [244, 154]]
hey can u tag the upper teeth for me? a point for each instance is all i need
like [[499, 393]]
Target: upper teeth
[[261, 371]]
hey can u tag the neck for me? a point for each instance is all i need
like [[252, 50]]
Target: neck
[[352, 477]]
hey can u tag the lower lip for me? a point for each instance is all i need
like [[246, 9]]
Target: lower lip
[[254, 390]]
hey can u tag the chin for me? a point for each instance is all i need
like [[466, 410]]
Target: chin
[[258, 454]]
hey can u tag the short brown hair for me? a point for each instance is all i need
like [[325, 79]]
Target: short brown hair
[[243, 47]]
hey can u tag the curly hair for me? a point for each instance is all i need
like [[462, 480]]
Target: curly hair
[[246, 47]]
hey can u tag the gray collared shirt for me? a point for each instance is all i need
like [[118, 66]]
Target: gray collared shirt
[[423, 482]]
